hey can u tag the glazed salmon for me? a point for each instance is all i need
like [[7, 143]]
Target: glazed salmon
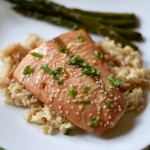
[[73, 81]]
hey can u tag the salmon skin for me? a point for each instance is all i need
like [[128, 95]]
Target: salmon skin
[[71, 79]]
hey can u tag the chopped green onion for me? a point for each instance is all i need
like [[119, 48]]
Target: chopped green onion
[[84, 64], [62, 49], [108, 105], [69, 132], [59, 70], [86, 88], [83, 101], [113, 81], [79, 37], [63, 120], [27, 70], [54, 72], [35, 54], [78, 61], [56, 78], [98, 54], [1, 148], [93, 120], [72, 92], [75, 60], [46, 68], [91, 71]]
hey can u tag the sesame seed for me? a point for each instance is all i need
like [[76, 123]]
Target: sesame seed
[[80, 107], [105, 93], [115, 98], [59, 107], [105, 114], [119, 109], [109, 117], [107, 122], [109, 89], [90, 114], [60, 99], [72, 106], [95, 101], [107, 110], [101, 123], [68, 101], [67, 112], [108, 99], [98, 112], [115, 110], [75, 100], [104, 106], [77, 113], [50, 99]]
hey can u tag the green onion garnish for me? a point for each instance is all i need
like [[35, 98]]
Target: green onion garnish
[[83, 101], [1, 148], [63, 120], [113, 81], [35, 54], [59, 70], [90, 71], [69, 132], [98, 54], [54, 72], [46, 68], [93, 120], [78, 61], [56, 78], [86, 88], [84, 64], [75, 60], [79, 37], [62, 49], [72, 92], [108, 105], [27, 70]]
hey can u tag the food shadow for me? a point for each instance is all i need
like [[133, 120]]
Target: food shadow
[[124, 126]]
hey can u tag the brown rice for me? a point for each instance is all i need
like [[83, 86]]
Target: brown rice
[[125, 64]]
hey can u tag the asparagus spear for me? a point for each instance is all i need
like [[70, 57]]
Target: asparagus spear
[[51, 19], [109, 19], [129, 34], [87, 21], [107, 15], [104, 15], [58, 20], [124, 20], [121, 23], [101, 29], [39, 4], [92, 24]]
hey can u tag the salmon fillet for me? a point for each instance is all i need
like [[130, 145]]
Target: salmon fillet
[[94, 110]]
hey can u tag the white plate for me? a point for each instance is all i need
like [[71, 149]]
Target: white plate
[[132, 132]]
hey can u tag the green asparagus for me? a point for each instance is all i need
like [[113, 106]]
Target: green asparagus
[[129, 34], [51, 19], [50, 8], [107, 15], [121, 23], [58, 20], [92, 24], [44, 7], [111, 19]]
